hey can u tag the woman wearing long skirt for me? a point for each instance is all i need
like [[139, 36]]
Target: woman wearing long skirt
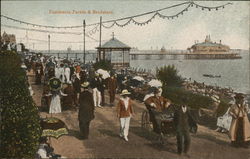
[[240, 127], [55, 104]]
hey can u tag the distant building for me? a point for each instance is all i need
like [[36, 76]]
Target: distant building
[[8, 41], [163, 50], [209, 47], [8, 38], [69, 49], [115, 51]]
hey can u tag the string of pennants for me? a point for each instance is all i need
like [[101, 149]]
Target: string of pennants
[[130, 19], [88, 34], [157, 13], [95, 29], [54, 41]]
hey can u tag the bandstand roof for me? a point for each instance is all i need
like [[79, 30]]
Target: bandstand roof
[[114, 44]]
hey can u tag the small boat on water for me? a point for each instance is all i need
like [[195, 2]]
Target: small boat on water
[[212, 76]]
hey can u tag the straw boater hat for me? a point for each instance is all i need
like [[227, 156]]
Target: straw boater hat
[[85, 84], [125, 92], [23, 66]]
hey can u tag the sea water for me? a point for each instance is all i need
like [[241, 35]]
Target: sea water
[[234, 72]]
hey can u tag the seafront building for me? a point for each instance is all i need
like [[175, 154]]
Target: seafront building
[[209, 47], [210, 50]]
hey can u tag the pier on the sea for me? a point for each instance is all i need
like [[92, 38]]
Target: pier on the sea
[[181, 55]]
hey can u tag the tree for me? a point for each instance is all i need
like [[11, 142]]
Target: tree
[[20, 126], [169, 76], [103, 64]]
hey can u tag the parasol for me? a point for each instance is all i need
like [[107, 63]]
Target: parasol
[[104, 73], [55, 84], [155, 83], [138, 78], [53, 127]]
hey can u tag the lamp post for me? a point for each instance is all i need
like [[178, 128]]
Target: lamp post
[[49, 43], [84, 56], [100, 40]]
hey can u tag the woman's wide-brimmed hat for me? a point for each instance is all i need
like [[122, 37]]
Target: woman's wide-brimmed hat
[[125, 92], [85, 84], [239, 96], [55, 84]]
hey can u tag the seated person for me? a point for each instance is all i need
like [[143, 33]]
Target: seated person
[[224, 122], [156, 104], [45, 150]]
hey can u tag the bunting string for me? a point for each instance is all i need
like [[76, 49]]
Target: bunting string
[[89, 33], [157, 13], [130, 19], [54, 41], [40, 30]]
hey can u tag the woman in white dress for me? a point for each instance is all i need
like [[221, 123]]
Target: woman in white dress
[[67, 73], [55, 105], [61, 73], [57, 75]]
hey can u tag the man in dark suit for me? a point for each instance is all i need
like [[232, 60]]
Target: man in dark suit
[[112, 86], [77, 88], [38, 72], [86, 110], [184, 123]]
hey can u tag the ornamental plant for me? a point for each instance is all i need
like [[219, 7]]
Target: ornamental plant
[[169, 77], [20, 126]]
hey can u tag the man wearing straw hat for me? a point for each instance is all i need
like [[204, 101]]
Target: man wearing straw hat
[[240, 128], [124, 113], [86, 110], [77, 88]]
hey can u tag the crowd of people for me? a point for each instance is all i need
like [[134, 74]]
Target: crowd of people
[[208, 90], [83, 89]]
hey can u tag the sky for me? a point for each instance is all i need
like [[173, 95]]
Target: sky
[[230, 25]]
